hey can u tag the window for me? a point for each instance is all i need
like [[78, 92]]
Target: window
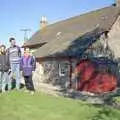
[[63, 68]]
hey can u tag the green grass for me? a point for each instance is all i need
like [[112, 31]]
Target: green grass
[[23, 106], [117, 99]]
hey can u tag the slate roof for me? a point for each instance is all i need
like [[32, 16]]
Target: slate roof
[[61, 36]]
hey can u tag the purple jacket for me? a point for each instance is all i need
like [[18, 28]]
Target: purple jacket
[[27, 65]]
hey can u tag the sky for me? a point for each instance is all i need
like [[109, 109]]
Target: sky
[[21, 14]]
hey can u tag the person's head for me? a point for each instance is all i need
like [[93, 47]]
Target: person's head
[[3, 49], [27, 51], [12, 41]]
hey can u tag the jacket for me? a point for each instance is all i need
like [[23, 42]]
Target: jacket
[[4, 63], [14, 53], [27, 65]]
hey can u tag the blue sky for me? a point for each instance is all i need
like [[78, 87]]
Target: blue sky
[[18, 14]]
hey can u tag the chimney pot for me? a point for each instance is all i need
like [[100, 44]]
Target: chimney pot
[[43, 22], [118, 3]]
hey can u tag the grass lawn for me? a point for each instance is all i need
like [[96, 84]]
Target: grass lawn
[[23, 106]]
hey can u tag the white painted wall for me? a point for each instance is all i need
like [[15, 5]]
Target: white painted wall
[[114, 38]]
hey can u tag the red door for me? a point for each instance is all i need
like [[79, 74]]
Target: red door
[[91, 80]]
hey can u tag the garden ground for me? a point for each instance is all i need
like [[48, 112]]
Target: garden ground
[[18, 105]]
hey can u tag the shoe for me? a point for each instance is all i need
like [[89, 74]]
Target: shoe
[[3, 91], [16, 89]]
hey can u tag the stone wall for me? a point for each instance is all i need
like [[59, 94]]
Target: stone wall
[[52, 72]]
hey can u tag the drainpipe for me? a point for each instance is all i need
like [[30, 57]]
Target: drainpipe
[[70, 75]]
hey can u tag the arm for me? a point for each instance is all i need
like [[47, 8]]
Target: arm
[[7, 52], [8, 64], [21, 64], [8, 61], [19, 51]]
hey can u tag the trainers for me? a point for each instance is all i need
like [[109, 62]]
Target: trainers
[[3, 91]]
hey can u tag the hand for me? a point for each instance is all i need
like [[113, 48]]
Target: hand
[[33, 72], [21, 72], [9, 71]]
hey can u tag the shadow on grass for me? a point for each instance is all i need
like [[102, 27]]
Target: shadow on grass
[[104, 113], [107, 111]]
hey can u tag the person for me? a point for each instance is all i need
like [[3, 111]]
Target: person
[[28, 66], [83, 71], [14, 53], [4, 68]]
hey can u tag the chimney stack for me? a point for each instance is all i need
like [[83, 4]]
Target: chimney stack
[[118, 3], [43, 22]]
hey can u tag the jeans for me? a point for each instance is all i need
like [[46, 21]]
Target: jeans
[[3, 80], [15, 73], [29, 83]]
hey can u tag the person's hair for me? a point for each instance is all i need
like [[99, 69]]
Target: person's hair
[[2, 46], [26, 48], [12, 38]]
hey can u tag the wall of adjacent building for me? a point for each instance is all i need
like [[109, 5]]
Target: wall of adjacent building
[[114, 39]]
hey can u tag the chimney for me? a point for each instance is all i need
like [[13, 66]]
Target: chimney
[[118, 3], [43, 22]]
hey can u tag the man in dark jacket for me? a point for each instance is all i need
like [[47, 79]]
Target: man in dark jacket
[[4, 68]]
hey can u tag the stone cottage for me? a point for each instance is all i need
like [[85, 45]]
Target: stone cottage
[[59, 47]]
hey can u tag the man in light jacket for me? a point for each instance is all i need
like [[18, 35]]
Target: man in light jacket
[[14, 53]]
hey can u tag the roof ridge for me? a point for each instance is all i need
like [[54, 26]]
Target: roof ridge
[[72, 17]]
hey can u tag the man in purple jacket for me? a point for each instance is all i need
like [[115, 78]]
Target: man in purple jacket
[[28, 65]]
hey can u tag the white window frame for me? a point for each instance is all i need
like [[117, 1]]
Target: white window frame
[[61, 74]]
